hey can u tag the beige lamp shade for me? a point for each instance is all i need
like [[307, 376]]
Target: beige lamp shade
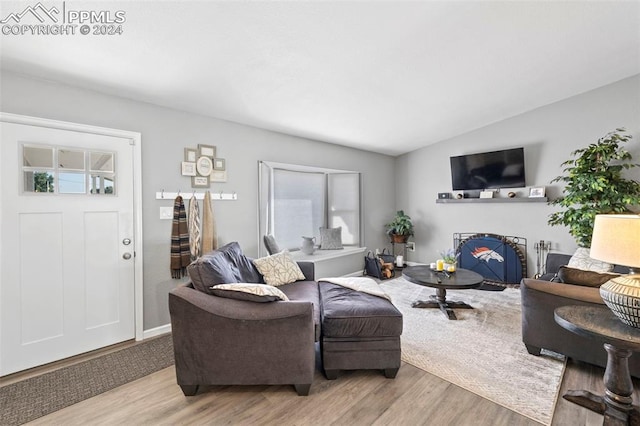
[[616, 239]]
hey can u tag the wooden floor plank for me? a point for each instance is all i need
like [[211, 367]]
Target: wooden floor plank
[[414, 397]]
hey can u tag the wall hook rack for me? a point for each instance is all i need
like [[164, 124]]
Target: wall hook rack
[[219, 196]]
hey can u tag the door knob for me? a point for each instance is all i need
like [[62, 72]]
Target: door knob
[[126, 256], [126, 241]]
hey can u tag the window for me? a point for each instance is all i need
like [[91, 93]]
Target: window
[[295, 201], [57, 170]]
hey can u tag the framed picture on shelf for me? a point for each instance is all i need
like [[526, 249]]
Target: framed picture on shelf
[[206, 151], [190, 155], [536, 192], [188, 168], [219, 164], [200, 181], [218, 176]]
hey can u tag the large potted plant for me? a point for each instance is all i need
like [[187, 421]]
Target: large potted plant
[[400, 228], [594, 184]]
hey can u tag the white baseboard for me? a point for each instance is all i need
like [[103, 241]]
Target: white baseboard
[[163, 329]]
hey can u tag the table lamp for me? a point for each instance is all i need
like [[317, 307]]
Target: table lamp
[[616, 239]]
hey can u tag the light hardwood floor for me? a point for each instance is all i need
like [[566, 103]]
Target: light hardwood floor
[[414, 397]]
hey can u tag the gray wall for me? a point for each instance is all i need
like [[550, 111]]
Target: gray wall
[[548, 135], [165, 133]]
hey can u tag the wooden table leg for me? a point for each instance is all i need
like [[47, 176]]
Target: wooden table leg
[[439, 300], [616, 405]]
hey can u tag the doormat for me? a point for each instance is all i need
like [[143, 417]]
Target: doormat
[[38, 396]]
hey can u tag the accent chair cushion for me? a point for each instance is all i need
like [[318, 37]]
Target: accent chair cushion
[[278, 269], [584, 278], [331, 238], [249, 291]]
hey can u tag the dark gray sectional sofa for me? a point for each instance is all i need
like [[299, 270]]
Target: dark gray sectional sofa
[[222, 341]]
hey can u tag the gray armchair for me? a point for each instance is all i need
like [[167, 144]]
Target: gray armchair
[[540, 331]]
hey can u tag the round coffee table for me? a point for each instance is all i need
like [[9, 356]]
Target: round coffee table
[[440, 280]]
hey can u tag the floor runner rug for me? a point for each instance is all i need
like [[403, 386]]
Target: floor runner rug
[[482, 351], [38, 396]]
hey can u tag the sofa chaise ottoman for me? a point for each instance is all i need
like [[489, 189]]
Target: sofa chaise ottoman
[[358, 330]]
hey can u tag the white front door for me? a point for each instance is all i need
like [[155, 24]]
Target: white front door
[[66, 244]]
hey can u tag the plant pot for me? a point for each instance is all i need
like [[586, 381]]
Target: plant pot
[[395, 238]]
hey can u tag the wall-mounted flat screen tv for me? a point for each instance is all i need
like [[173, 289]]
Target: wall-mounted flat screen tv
[[496, 169]]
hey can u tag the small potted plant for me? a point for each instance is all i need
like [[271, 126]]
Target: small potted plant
[[400, 228], [450, 259]]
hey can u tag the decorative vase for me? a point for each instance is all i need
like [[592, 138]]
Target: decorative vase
[[622, 295], [308, 245], [450, 267]]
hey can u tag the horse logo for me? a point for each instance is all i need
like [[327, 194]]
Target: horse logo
[[486, 254]]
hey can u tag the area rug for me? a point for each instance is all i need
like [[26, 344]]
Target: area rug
[[482, 351], [38, 396]]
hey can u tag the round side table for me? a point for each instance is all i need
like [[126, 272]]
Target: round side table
[[620, 341]]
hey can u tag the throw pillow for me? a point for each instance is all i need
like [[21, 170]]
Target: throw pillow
[[211, 269], [243, 269], [582, 277], [279, 269], [582, 260], [249, 291], [331, 238], [226, 264], [270, 244]]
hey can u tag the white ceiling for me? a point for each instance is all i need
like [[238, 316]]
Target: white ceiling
[[385, 76]]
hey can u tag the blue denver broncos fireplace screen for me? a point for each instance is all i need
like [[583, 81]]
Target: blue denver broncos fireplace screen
[[496, 259]]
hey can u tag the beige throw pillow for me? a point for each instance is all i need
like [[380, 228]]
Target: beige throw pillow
[[279, 269], [582, 260], [249, 291]]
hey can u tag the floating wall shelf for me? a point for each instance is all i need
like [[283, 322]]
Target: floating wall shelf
[[492, 200]]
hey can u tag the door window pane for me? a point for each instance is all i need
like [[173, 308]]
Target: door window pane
[[70, 160], [101, 162], [35, 156], [101, 184], [38, 181], [71, 183], [109, 185]]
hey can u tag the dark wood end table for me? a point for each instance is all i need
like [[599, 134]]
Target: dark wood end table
[[620, 340], [460, 280]]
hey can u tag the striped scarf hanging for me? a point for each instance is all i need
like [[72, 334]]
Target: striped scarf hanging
[[194, 228], [180, 254], [209, 234]]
